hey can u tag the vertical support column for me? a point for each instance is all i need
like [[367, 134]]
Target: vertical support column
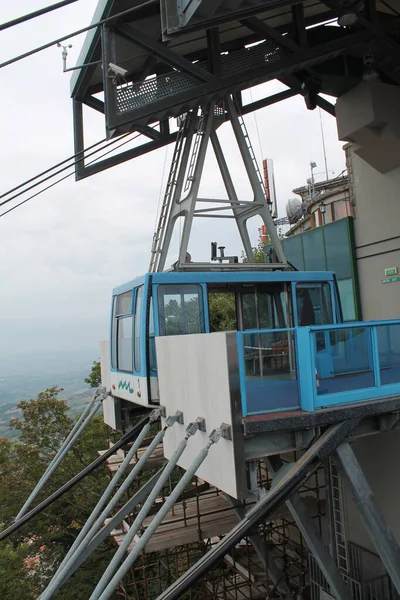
[[259, 198], [276, 575], [378, 530], [325, 561], [79, 143], [305, 368], [230, 190], [189, 203], [175, 211], [214, 51], [108, 55]]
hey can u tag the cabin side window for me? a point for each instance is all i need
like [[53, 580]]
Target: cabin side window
[[122, 330], [180, 309], [314, 303], [264, 306], [152, 341], [138, 316]]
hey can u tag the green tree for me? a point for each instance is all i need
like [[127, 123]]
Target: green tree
[[258, 250], [16, 567], [33, 553], [44, 422], [222, 307], [94, 377]]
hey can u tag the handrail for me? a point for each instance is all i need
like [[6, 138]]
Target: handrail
[[336, 373], [352, 325]]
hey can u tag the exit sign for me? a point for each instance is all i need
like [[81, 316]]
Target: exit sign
[[391, 271]]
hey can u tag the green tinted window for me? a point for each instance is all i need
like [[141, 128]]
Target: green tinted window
[[313, 246], [346, 293], [337, 248]]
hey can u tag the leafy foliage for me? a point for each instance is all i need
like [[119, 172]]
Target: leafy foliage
[[16, 565], [33, 553], [222, 308], [258, 251], [94, 377], [44, 423]]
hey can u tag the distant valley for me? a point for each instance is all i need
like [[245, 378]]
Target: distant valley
[[24, 378]]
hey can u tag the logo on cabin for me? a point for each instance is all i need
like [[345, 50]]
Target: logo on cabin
[[125, 385]]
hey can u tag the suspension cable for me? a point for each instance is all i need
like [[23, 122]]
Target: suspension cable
[[61, 178], [74, 156], [78, 32], [36, 13], [68, 167]]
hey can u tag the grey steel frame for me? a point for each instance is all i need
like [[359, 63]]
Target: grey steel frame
[[311, 535], [379, 531], [186, 207]]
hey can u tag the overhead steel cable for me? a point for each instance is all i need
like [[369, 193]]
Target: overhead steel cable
[[78, 32], [61, 178], [36, 13], [74, 156], [75, 480], [70, 166]]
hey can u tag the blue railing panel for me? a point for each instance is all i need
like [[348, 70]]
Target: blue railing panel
[[388, 339], [355, 362], [344, 360], [317, 367], [268, 370]]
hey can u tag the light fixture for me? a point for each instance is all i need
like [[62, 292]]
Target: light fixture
[[369, 71], [347, 20], [117, 70]]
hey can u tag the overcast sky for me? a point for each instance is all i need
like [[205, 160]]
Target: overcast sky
[[64, 251]]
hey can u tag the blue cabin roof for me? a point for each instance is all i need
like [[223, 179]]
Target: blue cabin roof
[[225, 277]]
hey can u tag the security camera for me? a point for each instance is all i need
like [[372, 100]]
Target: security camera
[[117, 70]]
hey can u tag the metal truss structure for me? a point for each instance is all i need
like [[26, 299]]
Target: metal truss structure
[[196, 133], [172, 58], [270, 562], [283, 557]]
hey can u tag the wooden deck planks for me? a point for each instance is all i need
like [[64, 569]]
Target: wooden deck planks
[[211, 515], [115, 461]]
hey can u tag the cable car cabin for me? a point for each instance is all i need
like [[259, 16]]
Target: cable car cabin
[[184, 303]]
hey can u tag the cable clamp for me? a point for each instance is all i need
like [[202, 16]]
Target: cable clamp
[[198, 425], [215, 435], [155, 414], [176, 418]]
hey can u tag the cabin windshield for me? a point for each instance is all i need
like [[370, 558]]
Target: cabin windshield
[[180, 309], [263, 306], [249, 306]]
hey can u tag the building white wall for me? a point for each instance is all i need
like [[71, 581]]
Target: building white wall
[[377, 237]]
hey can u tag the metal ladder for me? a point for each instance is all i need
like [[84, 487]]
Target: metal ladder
[[337, 517], [158, 236], [250, 147], [195, 151]]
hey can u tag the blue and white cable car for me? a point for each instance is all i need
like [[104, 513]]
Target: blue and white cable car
[[182, 303]]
